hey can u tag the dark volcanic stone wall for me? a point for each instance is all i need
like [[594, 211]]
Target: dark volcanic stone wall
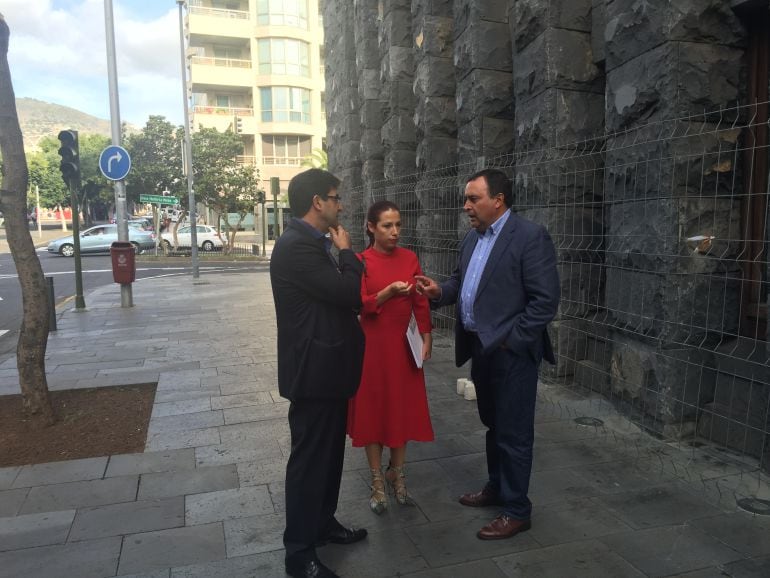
[[559, 93], [342, 108], [550, 90], [666, 60]]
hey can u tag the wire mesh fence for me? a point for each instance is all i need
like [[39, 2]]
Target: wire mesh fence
[[662, 248]]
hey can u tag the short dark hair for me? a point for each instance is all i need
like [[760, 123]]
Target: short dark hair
[[498, 183], [304, 186]]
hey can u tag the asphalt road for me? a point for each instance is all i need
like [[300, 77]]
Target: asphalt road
[[96, 272]]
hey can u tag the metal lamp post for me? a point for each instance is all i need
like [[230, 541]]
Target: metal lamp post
[[126, 295], [188, 165]]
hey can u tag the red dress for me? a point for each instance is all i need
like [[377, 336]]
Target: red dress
[[391, 406]]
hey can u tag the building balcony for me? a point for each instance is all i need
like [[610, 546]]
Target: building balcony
[[223, 118], [207, 71], [205, 21], [272, 161]]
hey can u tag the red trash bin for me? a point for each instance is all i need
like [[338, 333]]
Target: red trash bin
[[123, 262]]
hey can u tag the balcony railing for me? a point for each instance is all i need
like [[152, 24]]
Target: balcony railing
[[285, 161], [275, 161], [218, 12], [223, 110], [227, 62]]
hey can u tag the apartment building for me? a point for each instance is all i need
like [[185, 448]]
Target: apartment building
[[257, 67]]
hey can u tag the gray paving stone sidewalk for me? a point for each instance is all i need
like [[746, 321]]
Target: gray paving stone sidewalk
[[205, 499]]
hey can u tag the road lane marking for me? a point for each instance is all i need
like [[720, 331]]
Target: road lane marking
[[3, 332]]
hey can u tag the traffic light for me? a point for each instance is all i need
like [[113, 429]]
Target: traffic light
[[238, 125], [260, 197], [70, 157]]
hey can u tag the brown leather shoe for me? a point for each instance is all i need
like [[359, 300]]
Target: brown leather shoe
[[480, 499], [503, 527]]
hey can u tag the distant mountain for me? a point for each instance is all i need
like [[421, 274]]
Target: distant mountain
[[39, 119]]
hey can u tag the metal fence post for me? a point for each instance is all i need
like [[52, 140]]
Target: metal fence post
[[51, 305]]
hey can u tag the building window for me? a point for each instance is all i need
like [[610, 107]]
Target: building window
[[284, 149], [282, 13], [227, 52], [223, 100], [284, 56], [285, 104]]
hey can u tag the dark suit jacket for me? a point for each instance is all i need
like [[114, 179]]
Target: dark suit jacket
[[518, 293], [320, 342]]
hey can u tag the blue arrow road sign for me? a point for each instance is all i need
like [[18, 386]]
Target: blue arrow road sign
[[114, 163]]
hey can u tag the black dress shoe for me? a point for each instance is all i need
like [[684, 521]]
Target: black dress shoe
[[342, 535], [308, 569]]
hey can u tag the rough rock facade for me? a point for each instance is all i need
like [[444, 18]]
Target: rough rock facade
[[559, 86]]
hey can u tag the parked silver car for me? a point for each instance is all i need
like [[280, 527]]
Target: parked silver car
[[98, 240]]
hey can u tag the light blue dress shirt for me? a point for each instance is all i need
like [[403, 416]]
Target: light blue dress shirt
[[476, 268]]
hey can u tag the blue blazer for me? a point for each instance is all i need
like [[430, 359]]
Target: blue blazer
[[518, 294]]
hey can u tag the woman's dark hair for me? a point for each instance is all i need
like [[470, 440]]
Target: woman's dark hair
[[304, 186], [373, 216]]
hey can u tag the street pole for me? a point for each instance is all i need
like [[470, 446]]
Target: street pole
[[37, 212], [126, 295], [275, 190], [188, 150], [264, 226], [80, 302]]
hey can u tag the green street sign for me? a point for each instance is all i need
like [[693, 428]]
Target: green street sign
[[160, 199]]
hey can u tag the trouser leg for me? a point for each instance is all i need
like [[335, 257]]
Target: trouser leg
[[313, 472], [514, 380], [485, 403]]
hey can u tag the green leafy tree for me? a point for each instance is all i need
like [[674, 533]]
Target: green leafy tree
[[96, 193], [220, 181], [238, 194], [44, 173], [156, 160], [317, 159]]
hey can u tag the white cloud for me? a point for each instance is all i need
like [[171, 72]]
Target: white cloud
[[59, 55]]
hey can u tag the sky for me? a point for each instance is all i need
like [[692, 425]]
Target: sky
[[58, 54]]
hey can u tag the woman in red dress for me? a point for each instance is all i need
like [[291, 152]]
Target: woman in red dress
[[391, 406]]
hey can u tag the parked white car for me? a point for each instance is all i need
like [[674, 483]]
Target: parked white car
[[208, 238]]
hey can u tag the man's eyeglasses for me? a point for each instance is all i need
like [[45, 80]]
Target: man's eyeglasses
[[335, 198]]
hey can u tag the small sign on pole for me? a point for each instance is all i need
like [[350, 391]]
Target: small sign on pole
[[114, 162], [159, 199]]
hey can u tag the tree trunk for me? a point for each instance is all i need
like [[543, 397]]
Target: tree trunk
[[33, 336], [60, 209], [182, 215]]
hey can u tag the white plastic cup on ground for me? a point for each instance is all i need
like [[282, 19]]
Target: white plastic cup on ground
[[462, 383], [470, 391]]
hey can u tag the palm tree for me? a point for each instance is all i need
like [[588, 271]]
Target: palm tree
[[316, 160]]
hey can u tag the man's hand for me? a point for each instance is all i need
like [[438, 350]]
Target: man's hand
[[340, 237], [427, 286]]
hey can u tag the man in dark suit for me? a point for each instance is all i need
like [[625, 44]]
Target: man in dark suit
[[506, 287], [320, 356]]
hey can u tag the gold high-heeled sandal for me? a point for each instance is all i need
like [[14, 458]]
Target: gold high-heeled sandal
[[378, 502], [396, 480]]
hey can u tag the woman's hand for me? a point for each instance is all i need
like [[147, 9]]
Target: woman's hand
[[427, 346], [393, 290], [399, 288]]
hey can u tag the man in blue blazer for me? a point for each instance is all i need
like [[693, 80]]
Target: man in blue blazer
[[506, 288], [320, 357]]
